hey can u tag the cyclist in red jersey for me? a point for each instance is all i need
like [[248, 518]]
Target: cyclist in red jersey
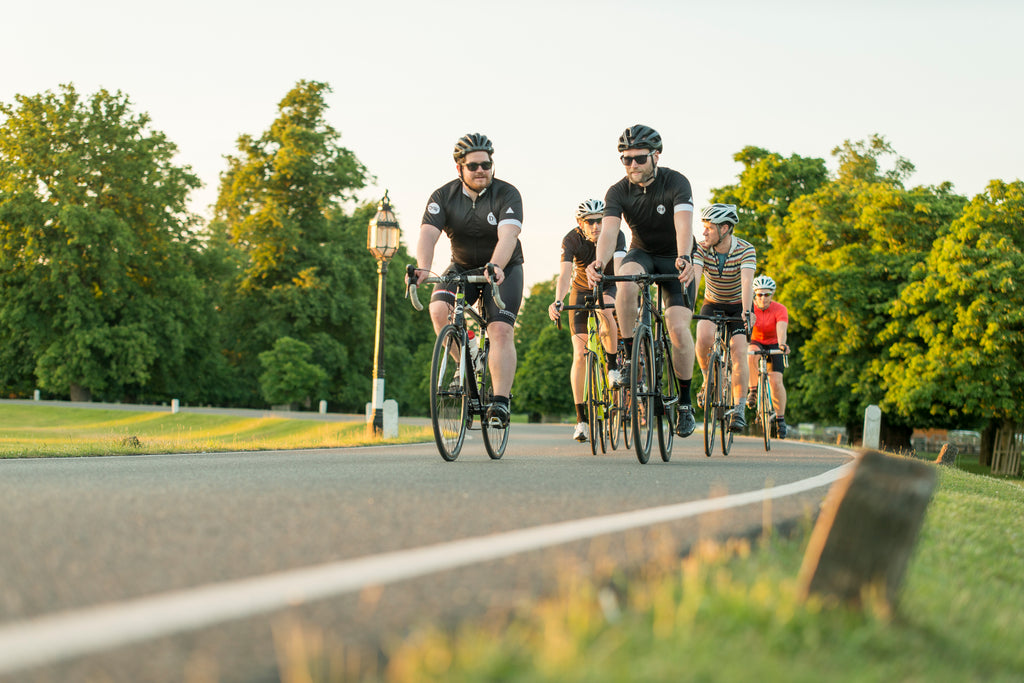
[[771, 320]]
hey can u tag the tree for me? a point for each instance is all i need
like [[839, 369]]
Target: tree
[[957, 333], [842, 257], [96, 258], [545, 357], [288, 376]]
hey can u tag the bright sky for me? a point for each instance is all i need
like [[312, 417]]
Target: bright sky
[[552, 83]]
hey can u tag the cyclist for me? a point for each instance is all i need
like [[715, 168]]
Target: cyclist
[[728, 265], [771, 320], [578, 251], [657, 203], [482, 217]]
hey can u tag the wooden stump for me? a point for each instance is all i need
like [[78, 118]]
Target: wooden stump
[[867, 529], [947, 455]]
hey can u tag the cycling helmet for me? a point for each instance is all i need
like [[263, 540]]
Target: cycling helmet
[[764, 282], [640, 137], [589, 207], [472, 142], [720, 213]]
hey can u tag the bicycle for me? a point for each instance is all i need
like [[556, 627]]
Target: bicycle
[[652, 379], [604, 412], [717, 397], [765, 410], [460, 384]]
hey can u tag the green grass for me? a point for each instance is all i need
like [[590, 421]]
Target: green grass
[[731, 612], [46, 431]]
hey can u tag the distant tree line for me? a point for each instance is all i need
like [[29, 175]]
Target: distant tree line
[[909, 298]]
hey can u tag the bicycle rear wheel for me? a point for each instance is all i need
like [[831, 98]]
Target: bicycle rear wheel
[[625, 402], [667, 400], [764, 410], [595, 407], [643, 387], [448, 402], [495, 438], [614, 417], [711, 404]]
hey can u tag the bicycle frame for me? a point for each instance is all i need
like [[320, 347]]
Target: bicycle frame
[[765, 415], [597, 393], [718, 397]]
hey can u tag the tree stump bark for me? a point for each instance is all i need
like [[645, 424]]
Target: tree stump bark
[[862, 542], [947, 454]]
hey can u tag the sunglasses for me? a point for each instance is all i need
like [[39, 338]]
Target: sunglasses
[[474, 165], [763, 295], [593, 221], [640, 159]]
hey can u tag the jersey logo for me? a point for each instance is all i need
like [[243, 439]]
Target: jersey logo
[[433, 208], [510, 211], [661, 209], [491, 219]]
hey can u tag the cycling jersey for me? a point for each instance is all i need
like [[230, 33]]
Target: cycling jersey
[[581, 252], [650, 210], [472, 224], [722, 282], [766, 323]]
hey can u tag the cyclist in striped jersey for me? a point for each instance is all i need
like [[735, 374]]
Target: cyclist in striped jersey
[[728, 264]]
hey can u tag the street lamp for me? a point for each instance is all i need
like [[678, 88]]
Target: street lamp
[[382, 241]]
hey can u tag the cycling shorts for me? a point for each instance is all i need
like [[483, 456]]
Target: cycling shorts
[[576, 298], [671, 292], [729, 310], [510, 289], [775, 362]]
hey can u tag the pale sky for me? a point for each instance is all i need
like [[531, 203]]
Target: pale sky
[[553, 84]]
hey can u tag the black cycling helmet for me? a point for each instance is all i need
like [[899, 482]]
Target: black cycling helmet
[[472, 142], [640, 137]]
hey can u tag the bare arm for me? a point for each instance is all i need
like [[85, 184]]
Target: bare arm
[[561, 289], [610, 227], [780, 331], [684, 242], [503, 250], [425, 250]]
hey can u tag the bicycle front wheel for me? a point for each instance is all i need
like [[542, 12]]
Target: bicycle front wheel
[[495, 438], [667, 400], [725, 391], [614, 416], [595, 408], [448, 401], [641, 383], [764, 410], [711, 404]]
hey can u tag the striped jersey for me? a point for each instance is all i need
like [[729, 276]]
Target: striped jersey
[[722, 282]]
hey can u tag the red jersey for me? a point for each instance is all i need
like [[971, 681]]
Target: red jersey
[[765, 323]]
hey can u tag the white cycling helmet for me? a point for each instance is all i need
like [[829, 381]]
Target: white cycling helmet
[[720, 213], [590, 206], [764, 282]]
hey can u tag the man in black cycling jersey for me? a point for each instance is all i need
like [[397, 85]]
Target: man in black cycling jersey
[[482, 217], [578, 250], [657, 203]]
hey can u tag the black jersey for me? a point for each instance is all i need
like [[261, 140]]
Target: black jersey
[[472, 225], [649, 210], [581, 252]]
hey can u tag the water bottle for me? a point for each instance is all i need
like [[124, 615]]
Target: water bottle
[[474, 349]]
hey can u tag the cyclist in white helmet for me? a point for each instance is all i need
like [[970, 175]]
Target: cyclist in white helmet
[[579, 248], [771, 320], [728, 264]]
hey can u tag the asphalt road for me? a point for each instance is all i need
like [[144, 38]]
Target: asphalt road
[[198, 567]]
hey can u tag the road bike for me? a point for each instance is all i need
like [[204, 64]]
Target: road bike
[[716, 397], [654, 400], [460, 379], [765, 409], [605, 409]]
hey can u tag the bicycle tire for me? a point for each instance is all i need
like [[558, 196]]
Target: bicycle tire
[[764, 409], [643, 387], [495, 438], [711, 404], [668, 400], [448, 400], [726, 402], [593, 406], [625, 407], [614, 420]]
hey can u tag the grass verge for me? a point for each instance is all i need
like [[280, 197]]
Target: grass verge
[[730, 612], [45, 431]]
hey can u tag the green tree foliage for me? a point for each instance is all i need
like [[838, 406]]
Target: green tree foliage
[[842, 256], [96, 258], [288, 376], [957, 336], [767, 185], [301, 267], [545, 357]]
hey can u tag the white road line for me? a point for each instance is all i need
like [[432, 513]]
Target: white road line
[[55, 637]]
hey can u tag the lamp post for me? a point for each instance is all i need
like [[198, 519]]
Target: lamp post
[[382, 241]]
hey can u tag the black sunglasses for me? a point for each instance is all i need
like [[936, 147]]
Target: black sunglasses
[[474, 165], [640, 159], [593, 221]]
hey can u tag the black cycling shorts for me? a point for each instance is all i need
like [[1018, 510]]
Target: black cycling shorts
[[579, 318], [511, 290], [671, 292], [775, 362], [728, 310]]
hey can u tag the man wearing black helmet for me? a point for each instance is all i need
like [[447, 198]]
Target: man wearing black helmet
[[482, 217], [657, 203]]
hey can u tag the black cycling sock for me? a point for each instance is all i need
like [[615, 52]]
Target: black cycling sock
[[628, 342], [581, 412], [613, 362], [684, 390], [501, 399]]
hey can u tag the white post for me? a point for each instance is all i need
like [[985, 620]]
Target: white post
[[872, 427], [323, 407], [391, 419], [35, 395], [174, 405]]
